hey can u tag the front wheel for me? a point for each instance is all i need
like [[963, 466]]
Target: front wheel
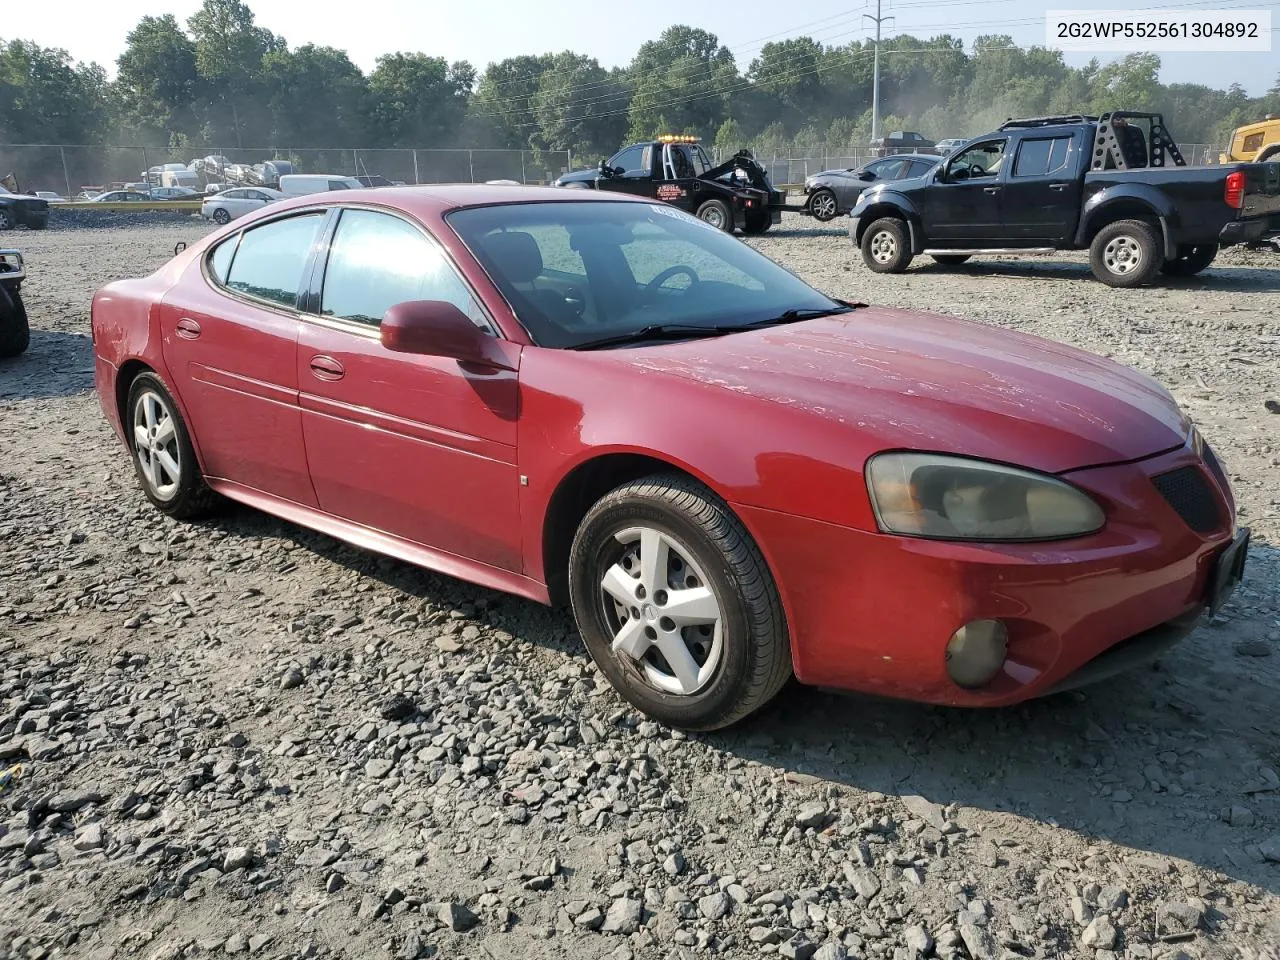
[[163, 456], [716, 213], [676, 604], [1126, 253], [886, 246], [1190, 260], [15, 332]]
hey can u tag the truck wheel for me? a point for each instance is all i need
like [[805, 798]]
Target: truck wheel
[[823, 206], [1190, 260], [886, 246], [6, 220], [717, 213], [951, 259], [676, 604], [15, 332], [1126, 253]]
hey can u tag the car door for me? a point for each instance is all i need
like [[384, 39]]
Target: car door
[[963, 207], [231, 343], [419, 447], [636, 164], [1042, 191]]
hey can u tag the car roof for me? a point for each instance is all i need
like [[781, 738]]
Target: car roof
[[442, 197]]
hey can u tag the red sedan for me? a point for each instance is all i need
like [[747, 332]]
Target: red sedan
[[730, 476]]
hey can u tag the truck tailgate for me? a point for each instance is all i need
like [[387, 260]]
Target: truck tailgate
[[1261, 189]]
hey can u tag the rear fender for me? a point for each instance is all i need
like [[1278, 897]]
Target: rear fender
[[1129, 201]]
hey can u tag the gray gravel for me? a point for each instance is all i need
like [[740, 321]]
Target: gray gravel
[[241, 737]]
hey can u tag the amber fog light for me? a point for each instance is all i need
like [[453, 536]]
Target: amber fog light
[[976, 652]]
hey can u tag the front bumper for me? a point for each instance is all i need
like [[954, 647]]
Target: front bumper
[[1242, 231], [872, 612]]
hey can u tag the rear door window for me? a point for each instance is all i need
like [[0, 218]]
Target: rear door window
[[1041, 157], [271, 258]]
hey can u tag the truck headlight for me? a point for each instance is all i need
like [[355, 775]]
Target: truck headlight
[[957, 498]]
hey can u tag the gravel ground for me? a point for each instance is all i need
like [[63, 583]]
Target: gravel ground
[[241, 737]]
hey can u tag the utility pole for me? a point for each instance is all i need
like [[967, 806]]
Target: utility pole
[[878, 20]]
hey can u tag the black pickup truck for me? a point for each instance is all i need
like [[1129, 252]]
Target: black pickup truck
[[22, 210], [676, 170], [14, 332], [1114, 185]]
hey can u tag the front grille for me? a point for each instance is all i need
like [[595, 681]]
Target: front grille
[[1192, 498]]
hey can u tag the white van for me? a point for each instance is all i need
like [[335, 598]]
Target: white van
[[300, 184], [177, 175]]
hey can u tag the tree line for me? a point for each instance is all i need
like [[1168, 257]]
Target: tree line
[[222, 79]]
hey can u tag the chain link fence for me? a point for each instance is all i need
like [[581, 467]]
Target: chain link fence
[[68, 169]]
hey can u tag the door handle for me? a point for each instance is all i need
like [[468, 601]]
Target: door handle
[[327, 368], [187, 328], [1058, 186], [990, 189]]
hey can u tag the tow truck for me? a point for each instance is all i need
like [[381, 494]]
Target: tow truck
[[675, 169]]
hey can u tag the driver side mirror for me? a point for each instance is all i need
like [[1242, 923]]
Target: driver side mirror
[[606, 170], [866, 175], [436, 328]]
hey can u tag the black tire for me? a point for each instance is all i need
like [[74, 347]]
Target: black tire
[[951, 259], [1190, 260], [823, 205], [754, 659], [886, 246], [6, 220], [1126, 253], [716, 213], [15, 332], [221, 217], [190, 497], [758, 223]]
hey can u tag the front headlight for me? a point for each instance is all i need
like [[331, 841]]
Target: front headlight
[[956, 498]]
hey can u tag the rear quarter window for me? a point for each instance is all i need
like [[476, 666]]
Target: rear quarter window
[[221, 257], [269, 262]]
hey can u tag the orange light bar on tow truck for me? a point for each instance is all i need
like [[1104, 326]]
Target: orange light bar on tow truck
[[678, 138]]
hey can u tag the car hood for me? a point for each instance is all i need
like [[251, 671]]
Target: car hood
[[919, 381], [579, 176]]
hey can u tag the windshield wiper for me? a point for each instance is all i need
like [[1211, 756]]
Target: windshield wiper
[[684, 331], [796, 314], [656, 331]]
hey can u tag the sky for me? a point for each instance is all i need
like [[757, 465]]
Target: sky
[[611, 32]]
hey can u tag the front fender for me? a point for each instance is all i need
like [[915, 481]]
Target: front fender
[[1124, 201], [886, 203]]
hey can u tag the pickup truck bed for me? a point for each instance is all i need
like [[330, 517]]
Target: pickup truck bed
[[1063, 184]]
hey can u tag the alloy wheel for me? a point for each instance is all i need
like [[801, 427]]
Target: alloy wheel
[[664, 615], [155, 442], [823, 206]]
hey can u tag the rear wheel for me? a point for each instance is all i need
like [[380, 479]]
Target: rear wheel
[[716, 213], [220, 216], [676, 604], [6, 220], [886, 246], [163, 456], [1190, 260], [15, 332], [823, 205], [1126, 253], [951, 259]]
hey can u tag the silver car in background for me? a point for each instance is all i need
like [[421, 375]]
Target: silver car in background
[[226, 206], [833, 192]]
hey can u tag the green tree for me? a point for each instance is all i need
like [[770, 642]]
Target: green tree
[[46, 97], [156, 81], [229, 51], [503, 99], [417, 100], [681, 78], [332, 87], [579, 106]]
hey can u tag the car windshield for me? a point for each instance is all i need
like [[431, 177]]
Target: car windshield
[[579, 273]]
